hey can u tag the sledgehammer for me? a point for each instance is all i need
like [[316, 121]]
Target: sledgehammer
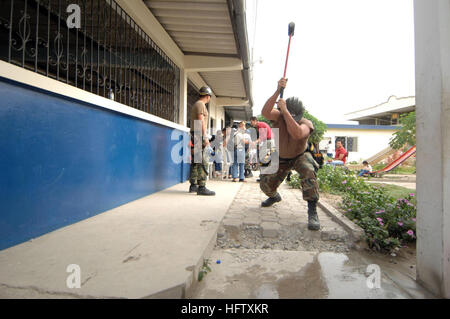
[[290, 33]]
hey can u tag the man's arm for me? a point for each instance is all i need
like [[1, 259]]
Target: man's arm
[[296, 130], [201, 117], [268, 111]]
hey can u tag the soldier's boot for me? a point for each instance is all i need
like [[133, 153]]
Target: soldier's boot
[[313, 219], [202, 190], [193, 188], [271, 200]]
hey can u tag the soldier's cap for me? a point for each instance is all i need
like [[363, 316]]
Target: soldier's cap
[[295, 108], [204, 90]]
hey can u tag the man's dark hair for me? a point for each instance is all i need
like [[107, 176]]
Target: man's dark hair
[[365, 162], [253, 118]]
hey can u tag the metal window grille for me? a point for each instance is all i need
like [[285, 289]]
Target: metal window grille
[[110, 53], [192, 97]]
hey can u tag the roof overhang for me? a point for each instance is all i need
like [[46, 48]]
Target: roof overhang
[[212, 35], [391, 106]]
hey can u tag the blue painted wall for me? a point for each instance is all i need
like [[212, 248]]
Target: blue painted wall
[[63, 160]]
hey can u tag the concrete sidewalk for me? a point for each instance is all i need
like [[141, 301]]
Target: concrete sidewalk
[[148, 248]]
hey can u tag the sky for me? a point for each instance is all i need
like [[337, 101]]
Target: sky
[[345, 55]]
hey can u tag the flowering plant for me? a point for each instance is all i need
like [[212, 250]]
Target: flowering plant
[[387, 222]]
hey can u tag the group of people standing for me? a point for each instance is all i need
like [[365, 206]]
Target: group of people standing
[[236, 149]]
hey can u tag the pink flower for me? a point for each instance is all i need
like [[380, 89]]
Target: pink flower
[[344, 182], [380, 221], [410, 233], [400, 223], [413, 219], [412, 194]]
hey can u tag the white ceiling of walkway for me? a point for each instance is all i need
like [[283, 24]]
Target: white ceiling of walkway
[[204, 28]]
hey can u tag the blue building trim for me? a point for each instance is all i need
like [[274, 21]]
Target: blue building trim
[[364, 127], [62, 161]]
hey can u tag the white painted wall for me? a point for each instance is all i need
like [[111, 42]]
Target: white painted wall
[[432, 41], [370, 142]]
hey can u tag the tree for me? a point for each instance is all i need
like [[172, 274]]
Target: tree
[[319, 127], [406, 135], [263, 119]]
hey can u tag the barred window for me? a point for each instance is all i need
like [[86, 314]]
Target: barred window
[[110, 55], [349, 143]]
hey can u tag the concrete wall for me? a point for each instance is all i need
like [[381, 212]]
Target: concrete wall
[[67, 154], [370, 142], [432, 41], [63, 160]]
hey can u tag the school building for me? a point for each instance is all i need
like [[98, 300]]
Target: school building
[[375, 128], [95, 95]]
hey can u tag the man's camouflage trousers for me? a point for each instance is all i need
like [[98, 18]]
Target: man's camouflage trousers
[[305, 165], [199, 173]]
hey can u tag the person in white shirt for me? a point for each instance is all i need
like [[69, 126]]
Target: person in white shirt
[[241, 138], [366, 169], [330, 149]]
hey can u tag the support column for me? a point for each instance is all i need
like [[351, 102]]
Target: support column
[[432, 40], [183, 97]]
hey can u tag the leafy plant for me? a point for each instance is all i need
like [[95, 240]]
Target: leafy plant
[[406, 136], [387, 222], [204, 270], [319, 127], [263, 119]]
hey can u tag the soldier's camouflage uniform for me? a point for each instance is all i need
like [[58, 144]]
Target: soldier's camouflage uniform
[[306, 167], [199, 172]]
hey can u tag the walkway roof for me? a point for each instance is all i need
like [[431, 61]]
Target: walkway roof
[[212, 34]]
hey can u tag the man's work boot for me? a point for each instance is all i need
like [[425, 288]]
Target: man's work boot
[[271, 200], [202, 190], [193, 188], [313, 219]]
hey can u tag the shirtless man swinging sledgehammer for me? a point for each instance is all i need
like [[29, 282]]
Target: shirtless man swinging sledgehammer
[[294, 131]]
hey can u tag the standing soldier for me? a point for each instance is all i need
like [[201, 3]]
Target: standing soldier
[[294, 132], [199, 171]]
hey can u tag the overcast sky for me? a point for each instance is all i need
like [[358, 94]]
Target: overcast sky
[[345, 54]]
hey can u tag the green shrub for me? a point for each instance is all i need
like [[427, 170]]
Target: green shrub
[[387, 222]]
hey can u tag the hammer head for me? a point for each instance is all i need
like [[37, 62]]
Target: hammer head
[[291, 29]]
